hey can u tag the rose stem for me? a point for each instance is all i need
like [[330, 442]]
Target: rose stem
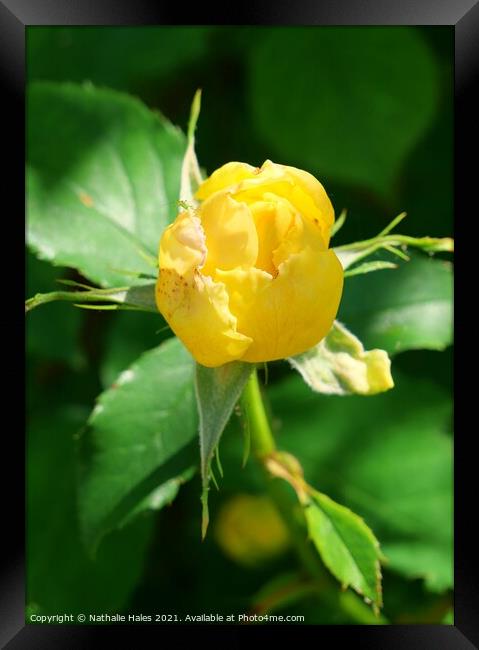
[[263, 444]]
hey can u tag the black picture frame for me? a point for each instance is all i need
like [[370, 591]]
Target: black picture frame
[[15, 16]]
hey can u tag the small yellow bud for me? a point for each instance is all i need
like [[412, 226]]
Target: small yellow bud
[[249, 530]]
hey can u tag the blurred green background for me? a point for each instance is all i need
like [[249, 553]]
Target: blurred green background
[[369, 112]]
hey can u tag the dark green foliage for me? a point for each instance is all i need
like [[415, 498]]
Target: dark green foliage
[[368, 111]]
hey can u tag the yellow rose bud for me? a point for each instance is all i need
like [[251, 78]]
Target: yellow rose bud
[[248, 275]]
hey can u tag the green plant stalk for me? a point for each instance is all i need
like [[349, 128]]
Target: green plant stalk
[[263, 444], [72, 296], [432, 244], [252, 402], [128, 298]]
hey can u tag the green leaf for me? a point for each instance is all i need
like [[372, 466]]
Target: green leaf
[[103, 181], [137, 437], [129, 335], [348, 103], [346, 545], [409, 308], [418, 559], [161, 496], [217, 391], [149, 55], [389, 460], [339, 365], [61, 577]]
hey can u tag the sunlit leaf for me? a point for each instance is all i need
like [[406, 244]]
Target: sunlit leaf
[[408, 308], [217, 391], [388, 458], [339, 365], [103, 181], [135, 437], [347, 546]]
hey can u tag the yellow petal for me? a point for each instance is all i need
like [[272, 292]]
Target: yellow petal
[[231, 238], [289, 314], [276, 224], [225, 177], [313, 188], [301, 189], [196, 308], [182, 245]]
